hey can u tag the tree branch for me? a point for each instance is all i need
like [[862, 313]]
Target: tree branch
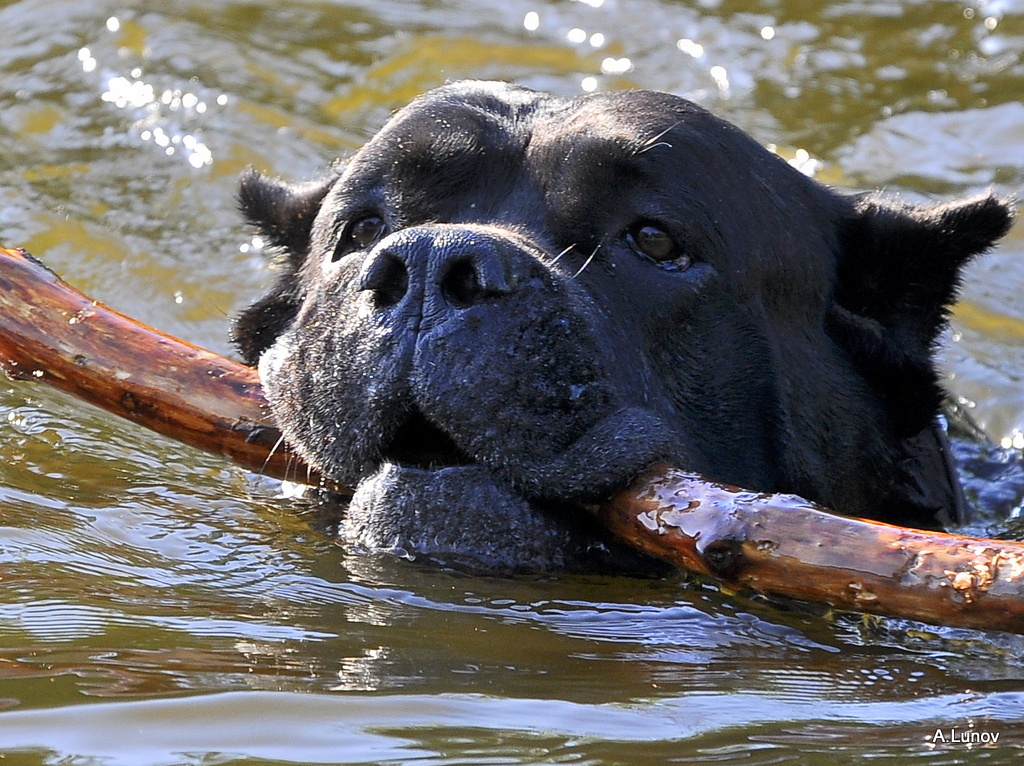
[[774, 544]]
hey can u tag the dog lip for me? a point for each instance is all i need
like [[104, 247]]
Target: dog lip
[[419, 444]]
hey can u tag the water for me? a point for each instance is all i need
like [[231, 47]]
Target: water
[[158, 606]]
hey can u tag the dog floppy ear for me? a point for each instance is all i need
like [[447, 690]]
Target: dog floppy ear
[[281, 212], [897, 277]]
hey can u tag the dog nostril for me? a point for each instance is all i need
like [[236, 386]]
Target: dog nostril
[[461, 285], [388, 278]]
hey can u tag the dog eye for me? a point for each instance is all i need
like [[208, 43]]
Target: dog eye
[[366, 231], [360, 234], [658, 245]]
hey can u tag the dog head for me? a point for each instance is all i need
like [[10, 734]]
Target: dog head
[[508, 304]]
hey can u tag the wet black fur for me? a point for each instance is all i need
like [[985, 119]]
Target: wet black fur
[[504, 353]]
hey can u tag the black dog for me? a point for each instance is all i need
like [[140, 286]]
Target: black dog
[[509, 304]]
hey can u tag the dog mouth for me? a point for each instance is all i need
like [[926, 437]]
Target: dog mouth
[[428, 499], [418, 443]]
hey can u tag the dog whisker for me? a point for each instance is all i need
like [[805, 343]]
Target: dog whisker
[[270, 455], [655, 141], [586, 262], [566, 250]]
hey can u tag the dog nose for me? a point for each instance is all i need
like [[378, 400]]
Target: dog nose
[[458, 266]]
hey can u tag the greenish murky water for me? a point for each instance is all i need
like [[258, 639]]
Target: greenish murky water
[[159, 606]]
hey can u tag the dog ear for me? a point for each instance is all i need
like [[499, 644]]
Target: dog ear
[[897, 276], [255, 328], [282, 213]]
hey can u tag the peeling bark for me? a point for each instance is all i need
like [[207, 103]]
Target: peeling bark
[[785, 546]]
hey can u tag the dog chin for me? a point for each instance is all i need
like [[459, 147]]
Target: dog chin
[[462, 517]]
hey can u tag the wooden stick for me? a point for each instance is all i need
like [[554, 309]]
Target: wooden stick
[[776, 544], [783, 545], [51, 333]]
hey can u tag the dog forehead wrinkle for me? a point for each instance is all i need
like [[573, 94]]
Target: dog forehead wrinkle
[[446, 152], [602, 172], [629, 122], [441, 148], [558, 142]]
